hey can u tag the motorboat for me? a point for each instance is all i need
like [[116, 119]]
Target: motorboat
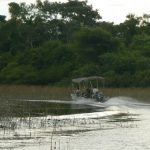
[[88, 88]]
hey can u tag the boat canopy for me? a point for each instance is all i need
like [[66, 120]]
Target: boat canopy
[[79, 80]]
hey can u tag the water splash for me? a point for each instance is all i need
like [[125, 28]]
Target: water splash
[[121, 101]]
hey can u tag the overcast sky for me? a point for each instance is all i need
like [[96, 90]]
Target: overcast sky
[[110, 10]]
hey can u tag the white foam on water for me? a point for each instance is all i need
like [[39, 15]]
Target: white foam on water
[[85, 115], [120, 101], [123, 134]]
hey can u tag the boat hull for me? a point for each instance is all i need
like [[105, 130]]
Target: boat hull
[[75, 97]]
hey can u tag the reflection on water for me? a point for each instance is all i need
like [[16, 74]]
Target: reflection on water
[[120, 123], [24, 108]]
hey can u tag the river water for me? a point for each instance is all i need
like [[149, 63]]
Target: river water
[[119, 124]]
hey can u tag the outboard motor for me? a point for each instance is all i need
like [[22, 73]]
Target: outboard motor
[[100, 97]]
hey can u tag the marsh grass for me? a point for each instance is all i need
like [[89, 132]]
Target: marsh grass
[[33, 92], [140, 94], [13, 99], [61, 93]]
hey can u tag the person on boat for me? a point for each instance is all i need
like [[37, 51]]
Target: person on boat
[[78, 92], [88, 92], [95, 90]]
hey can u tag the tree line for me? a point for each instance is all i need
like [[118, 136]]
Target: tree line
[[48, 43]]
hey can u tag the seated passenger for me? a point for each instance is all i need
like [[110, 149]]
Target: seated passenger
[[95, 90], [88, 93]]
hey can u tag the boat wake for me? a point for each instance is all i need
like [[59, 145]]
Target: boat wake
[[126, 102], [116, 105], [117, 113]]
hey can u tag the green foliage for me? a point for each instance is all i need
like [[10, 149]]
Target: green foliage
[[129, 28], [15, 73], [88, 69], [2, 18], [93, 37], [93, 42], [4, 60], [141, 43], [50, 43]]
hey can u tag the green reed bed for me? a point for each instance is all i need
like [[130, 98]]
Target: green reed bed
[[61, 93], [33, 92], [14, 99], [141, 94]]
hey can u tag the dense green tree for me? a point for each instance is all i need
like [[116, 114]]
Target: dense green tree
[[123, 67], [129, 28], [47, 64], [67, 17], [145, 24], [93, 42], [14, 10], [51, 20], [51, 42], [141, 43], [22, 11], [88, 69], [2, 18], [11, 39], [76, 11]]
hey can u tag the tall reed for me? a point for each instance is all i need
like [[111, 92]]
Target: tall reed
[[33, 92], [141, 94]]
